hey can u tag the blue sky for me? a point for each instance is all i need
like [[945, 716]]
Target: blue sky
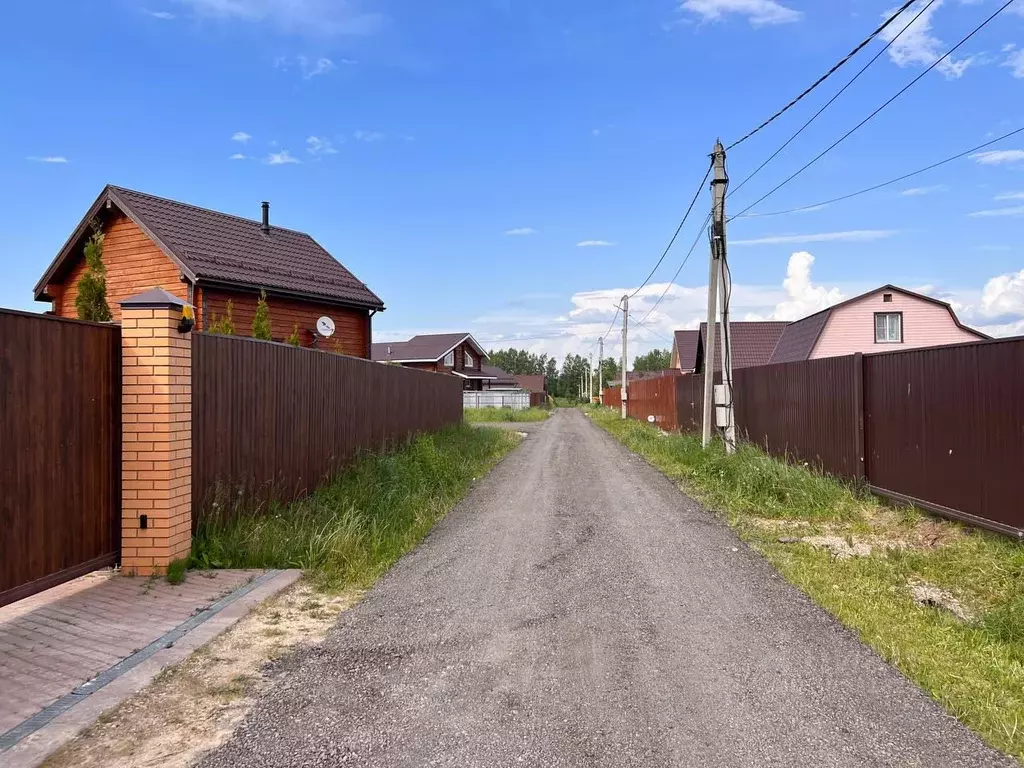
[[510, 168]]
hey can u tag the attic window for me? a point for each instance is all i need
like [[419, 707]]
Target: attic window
[[887, 298], [469, 360], [449, 359]]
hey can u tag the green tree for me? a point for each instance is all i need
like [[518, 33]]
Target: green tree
[[294, 338], [261, 320], [91, 301], [609, 370], [225, 325], [655, 360]]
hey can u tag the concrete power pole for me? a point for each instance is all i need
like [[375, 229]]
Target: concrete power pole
[[600, 370], [625, 333], [590, 380], [719, 287]]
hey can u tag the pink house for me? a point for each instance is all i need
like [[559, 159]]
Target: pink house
[[887, 318]]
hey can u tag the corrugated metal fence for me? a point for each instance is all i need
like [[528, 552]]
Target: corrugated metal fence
[[942, 428], [271, 420]]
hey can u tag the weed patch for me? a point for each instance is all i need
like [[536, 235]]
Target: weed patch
[[351, 530], [504, 414], [974, 668]]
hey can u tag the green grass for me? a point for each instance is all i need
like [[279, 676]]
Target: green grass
[[974, 669], [504, 414], [176, 571], [351, 530]]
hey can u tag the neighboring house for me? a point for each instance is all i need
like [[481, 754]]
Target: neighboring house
[[684, 351], [752, 344], [456, 353], [502, 380], [208, 258], [532, 382], [887, 318]]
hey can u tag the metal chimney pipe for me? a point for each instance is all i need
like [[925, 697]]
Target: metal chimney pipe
[[266, 216]]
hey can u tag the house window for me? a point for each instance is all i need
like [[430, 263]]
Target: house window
[[887, 298], [888, 327], [469, 360], [449, 359]]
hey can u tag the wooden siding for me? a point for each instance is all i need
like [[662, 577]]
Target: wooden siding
[[851, 328], [134, 264], [352, 327]]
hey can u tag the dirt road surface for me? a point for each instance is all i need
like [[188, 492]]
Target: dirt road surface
[[578, 610]]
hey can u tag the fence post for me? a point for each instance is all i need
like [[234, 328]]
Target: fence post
[[858, 415], [156, 419]]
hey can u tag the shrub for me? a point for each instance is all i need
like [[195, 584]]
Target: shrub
[[261, 320], [91, 301], [225, 325]]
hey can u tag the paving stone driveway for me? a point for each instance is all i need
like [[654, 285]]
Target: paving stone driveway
[[53, 642]]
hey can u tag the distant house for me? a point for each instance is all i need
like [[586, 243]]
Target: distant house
[[209, 258], [532, 382], [457, 354], [886, 318], [502, 380]]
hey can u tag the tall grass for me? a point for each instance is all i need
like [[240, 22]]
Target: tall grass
[[350, 531], [504, 414], [974, 668]]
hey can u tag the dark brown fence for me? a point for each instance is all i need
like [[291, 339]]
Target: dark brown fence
[[942, 428], [270, 420], [60, 438], [538, 399]]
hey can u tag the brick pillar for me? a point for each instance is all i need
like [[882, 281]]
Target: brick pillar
[[156, 418]]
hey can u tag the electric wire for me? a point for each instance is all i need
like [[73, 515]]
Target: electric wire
[[829, 103], [875, 187], [680, 269], [824, 77], [871, 116]]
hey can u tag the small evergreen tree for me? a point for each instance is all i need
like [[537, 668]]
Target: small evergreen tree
[[91, 301], [225, 326], [261, 320], [294, 338]]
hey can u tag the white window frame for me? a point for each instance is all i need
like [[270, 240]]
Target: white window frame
[[449, 359], [467, 361], [891, 330]]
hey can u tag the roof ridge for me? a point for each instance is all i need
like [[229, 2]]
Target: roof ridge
[[194, 207]]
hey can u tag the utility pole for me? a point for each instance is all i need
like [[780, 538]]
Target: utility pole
[[625, 333], [590, 380], [600, 369], [719, 288]]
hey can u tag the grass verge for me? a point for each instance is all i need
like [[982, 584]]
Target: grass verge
[[350, 531], [481, 415], [973, 667]]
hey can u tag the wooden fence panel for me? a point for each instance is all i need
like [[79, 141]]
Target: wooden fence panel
[[807, 411], [60, 437], [274, 421], [944, 429]]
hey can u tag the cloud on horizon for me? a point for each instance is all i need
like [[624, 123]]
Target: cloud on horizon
[[757, 12]]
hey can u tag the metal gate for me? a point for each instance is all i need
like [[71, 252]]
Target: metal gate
[[60, 450]]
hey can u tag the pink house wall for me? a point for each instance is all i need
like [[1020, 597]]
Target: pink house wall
[[851, 328]]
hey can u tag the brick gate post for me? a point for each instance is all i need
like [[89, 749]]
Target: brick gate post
[[156, 418]]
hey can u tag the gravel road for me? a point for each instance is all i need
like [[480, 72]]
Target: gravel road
[[578, 610]]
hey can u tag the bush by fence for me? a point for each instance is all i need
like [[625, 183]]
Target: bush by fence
[[276, 420], [942, 428]]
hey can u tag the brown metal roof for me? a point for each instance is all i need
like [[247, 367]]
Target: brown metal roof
[[752, 342], [685, 346], [216, 247], [423, 348], [799, 338], [500, 376], [531, 382]]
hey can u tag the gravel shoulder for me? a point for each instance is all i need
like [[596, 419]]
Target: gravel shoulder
[[576, 609]]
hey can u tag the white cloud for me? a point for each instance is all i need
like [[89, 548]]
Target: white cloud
[[1015, 61], [1003, 295], [284, 157], [758, 12], [1015, 211], [368, 136], [999, 156], [318, 146], [241, 137], [58, 159], [314, 17], [851, 236], [162, 15], [921, 191], [594, 244], [917, 46], [311, 69], [1009, 196], [803, 298], [238, 156], [521, 231]]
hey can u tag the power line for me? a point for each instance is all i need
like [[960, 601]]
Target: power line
[[891, 99], [649, 329], [671, 242], [898, 179], [680, 269], [824, 77], [829, 103]]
